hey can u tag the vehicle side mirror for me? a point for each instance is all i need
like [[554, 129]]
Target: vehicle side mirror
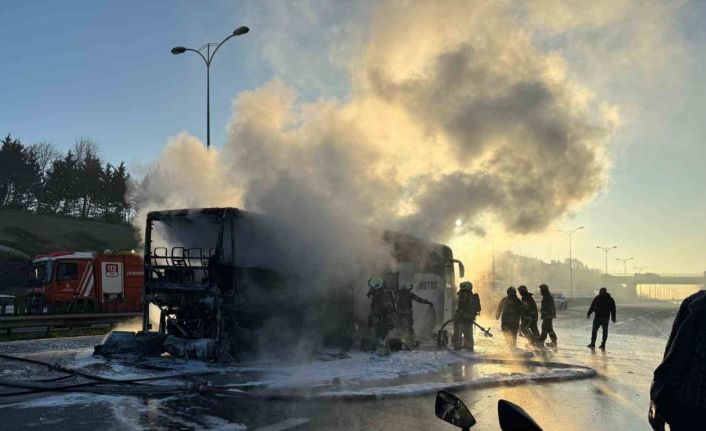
[[461, 268], [452, 410], [515, 418]]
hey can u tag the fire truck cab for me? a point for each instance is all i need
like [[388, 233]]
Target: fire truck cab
[[74, 282]]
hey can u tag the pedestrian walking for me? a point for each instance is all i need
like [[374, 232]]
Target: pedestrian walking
[[548, 314], [603, 306]]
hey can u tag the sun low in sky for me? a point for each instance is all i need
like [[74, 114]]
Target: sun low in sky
[[473, 123]]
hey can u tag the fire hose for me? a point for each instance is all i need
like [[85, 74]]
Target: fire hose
[[113, 385], [104, 385], [547, 364]]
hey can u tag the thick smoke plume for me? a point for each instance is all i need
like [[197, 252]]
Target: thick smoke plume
[[453, 113]]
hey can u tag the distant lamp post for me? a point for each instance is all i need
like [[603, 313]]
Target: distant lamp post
[[207, 59], [605, 274], [639, 270], [625, 264], [570, 232]]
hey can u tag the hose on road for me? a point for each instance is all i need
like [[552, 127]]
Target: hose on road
[[104, 385], [526, 362]]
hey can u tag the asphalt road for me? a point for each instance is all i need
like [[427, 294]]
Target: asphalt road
[[616, 399]]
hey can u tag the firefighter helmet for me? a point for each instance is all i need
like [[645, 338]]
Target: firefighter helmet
[[467, 285], [376, 283], [511, 291]]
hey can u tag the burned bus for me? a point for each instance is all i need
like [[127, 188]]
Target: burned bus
[[221, 281]]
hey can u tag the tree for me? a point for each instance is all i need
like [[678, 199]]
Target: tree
[[59, 194], [114, 190], [20, 175], [46, 153], [79, 184]]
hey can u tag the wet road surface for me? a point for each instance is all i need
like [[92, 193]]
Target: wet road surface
[[616, 399]]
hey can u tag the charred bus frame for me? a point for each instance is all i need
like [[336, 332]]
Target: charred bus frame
[[196, 288]]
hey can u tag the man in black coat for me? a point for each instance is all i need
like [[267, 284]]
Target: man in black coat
[[548, 314], [678, 392], [604, 307], [529, 317], [510, 308]]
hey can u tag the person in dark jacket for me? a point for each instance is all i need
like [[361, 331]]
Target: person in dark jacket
[[405, 314], [529, 317], [382, 311], [548, 314], [510, 308], [468, 309], [604, 307], [678, 392]]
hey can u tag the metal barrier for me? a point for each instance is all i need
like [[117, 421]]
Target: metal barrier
[[56, 321]]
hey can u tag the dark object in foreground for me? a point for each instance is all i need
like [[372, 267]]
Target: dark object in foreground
[[678, 392], [512, 417], [452, 410]]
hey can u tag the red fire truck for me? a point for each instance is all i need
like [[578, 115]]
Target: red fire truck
[[81, 282]]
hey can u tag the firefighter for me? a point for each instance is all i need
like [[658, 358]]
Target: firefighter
[[510, 308], [405, 316], [529, 317], [465, 316], [382, 312]]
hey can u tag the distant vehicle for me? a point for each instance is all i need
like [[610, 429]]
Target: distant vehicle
[[75, 282], [561, 301], [7, 305]]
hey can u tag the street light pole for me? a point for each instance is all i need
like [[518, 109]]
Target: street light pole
[[625, 264], [570, 232], [639, 272], [606, 250], [207, 60]]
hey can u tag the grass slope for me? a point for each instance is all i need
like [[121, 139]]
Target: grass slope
[[35, 234]]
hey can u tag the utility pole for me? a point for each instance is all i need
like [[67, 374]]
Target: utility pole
[[605, 274], [570, 232]]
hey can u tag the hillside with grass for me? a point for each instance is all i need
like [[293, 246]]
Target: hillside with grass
[[25, 234], [34, 234]]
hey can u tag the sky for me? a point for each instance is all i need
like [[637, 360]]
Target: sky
[[104, 71]]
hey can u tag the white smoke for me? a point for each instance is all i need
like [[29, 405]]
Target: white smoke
[[454, 111]]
